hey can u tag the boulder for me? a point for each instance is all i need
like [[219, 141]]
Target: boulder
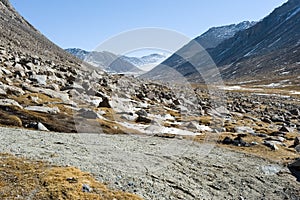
[[40, 79], [297, 141], [105, 103], [41, 127], [43, 109], [142, 113], [9, 102], [271, 144], [285, 129], [295, 112], [141, 119], [244, 129], [88, 114]]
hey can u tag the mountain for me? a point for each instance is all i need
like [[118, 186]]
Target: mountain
[[145, 60], [210, 39], [118, 64], [105, 60], [266, 51], [146, 63], [269, 49], [214, 36], [16, 33]]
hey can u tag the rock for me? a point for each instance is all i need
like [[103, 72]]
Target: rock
[[297, 141], [86, 188], [244, 129], [43, 109], [88, 114], [297, 148], [271, 144], [41, 127], [195, 125], [12, 90], [271, 169], [2, 92], [128, 117], [285, 129], [227, 140], [142, 113], [266, 120], [238, 141], [40, 79], [9, 102], [105, 103], [141, 119], [295, 112], [295, 169]]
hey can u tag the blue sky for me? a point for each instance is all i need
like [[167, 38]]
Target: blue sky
[[87, 23]]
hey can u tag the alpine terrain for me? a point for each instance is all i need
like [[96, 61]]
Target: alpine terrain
[[74, 129]]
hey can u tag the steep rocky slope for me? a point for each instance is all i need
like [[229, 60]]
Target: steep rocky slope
[[268, 50]]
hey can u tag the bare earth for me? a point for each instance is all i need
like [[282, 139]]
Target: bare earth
[[157, 168]]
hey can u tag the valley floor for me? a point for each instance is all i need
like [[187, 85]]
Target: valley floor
[[157, 168]]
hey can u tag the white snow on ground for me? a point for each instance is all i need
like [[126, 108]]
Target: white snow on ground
[[294, 92], [276, 95], [236, 87], [153, 129]]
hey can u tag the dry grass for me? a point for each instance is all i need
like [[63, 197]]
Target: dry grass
[[21, 179]]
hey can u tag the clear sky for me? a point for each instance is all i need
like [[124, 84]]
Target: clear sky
[[87, 23]]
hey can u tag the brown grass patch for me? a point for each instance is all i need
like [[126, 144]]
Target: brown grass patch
[[21, 178]]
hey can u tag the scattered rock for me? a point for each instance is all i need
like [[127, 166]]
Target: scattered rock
[[141, 119], [43, 109], [105, 103], [9, 102], [244, 129], [297, 141], [142, 113], [41, 127], [86, 188], [88, 114], [285, 129], [271, 144]]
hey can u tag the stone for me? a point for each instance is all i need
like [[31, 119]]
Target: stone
[[295, 112], [271, 144], [227, 140], [131, 118], [297, 148], [244, 129], [12, 90], [88, 114], [86, 188], [40, 79], [142, 113], [43, 109], [105, 103], [10, 102], [41, 127], [297, 141], [285, 129], [141, 119]]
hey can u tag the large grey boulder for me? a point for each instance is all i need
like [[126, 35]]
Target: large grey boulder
[[43, 109], [9, 102]]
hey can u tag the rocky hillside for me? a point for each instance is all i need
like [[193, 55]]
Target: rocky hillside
[[179, 61], [267, 50], [216, 35]]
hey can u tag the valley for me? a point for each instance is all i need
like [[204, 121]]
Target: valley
[[219, 123]]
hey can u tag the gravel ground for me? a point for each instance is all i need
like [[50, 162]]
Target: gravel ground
[[158, 168]]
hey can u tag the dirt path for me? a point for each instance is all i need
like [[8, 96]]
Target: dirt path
[[157, 168]]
